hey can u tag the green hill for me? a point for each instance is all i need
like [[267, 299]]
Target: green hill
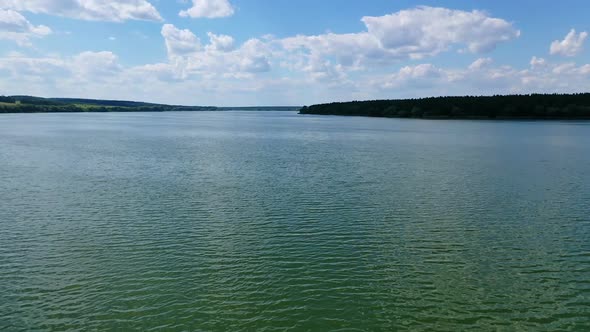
[[31, 104]]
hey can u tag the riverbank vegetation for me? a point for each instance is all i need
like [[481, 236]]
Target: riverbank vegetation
[[29, 104], [533, 106]]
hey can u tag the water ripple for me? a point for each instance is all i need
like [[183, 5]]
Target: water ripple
[[273, 222]]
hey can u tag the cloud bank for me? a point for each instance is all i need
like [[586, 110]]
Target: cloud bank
[[92, 10], [393, 56]]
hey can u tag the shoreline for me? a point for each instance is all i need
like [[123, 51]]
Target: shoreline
[[585, 118], [500, 107]]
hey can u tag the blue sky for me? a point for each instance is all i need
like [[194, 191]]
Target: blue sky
[[263, 52]]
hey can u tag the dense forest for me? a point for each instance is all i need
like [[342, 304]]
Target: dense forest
[[30, 104], [534, 106]]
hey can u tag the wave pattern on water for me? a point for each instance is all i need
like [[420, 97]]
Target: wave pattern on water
[[275, 222]]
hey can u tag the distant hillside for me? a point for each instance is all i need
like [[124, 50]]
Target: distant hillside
[[31, 104], [118, 103], [534, 106]]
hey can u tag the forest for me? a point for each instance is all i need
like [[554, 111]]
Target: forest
[[30, 104], [533, 106]]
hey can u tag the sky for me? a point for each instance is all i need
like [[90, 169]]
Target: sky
[[286, 52]]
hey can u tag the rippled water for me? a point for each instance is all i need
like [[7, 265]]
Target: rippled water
[[274, 221]]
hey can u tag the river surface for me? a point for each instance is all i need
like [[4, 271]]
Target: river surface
[[273, 221]]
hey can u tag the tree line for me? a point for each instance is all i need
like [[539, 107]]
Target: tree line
[[533, 106], [30, 104], [8, 100]]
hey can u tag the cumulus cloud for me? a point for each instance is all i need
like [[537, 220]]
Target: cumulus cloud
[[28, 67], [219, 57], [163, 72], [255, 64], [101, 73], [408, 34], [564, 68], [180, 42], [97, 65], [87, 64], [481, 63], [418, 77], [78, 75], [14, 26], [368, 64], [221, 43], [255, 56], [420, 71], [93, 10], [432, 30], [571, 46], [209, 9], [428, 80], [538, 62]]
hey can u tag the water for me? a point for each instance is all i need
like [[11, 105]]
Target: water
[[274, 221]]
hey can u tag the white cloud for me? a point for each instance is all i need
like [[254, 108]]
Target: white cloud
[[429, 30], [93, 10], [347, 49], [571, 46], [538, 62], [94, 65], [88, 65], [218, 58], [100, 75], [255, 64], [160, 71], [88, 74], [564, 68], [369, 64], [418, 77], [321, 70], [180, 42], [14, 26], [420, 71], [221, 43], [481, 63], [408, 34], [428, 80], [27, 67], [209, 9], [254, 55]]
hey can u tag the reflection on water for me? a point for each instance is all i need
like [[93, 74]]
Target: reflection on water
[[275, 221]]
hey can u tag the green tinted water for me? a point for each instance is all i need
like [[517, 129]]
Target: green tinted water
[[274, 221]]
